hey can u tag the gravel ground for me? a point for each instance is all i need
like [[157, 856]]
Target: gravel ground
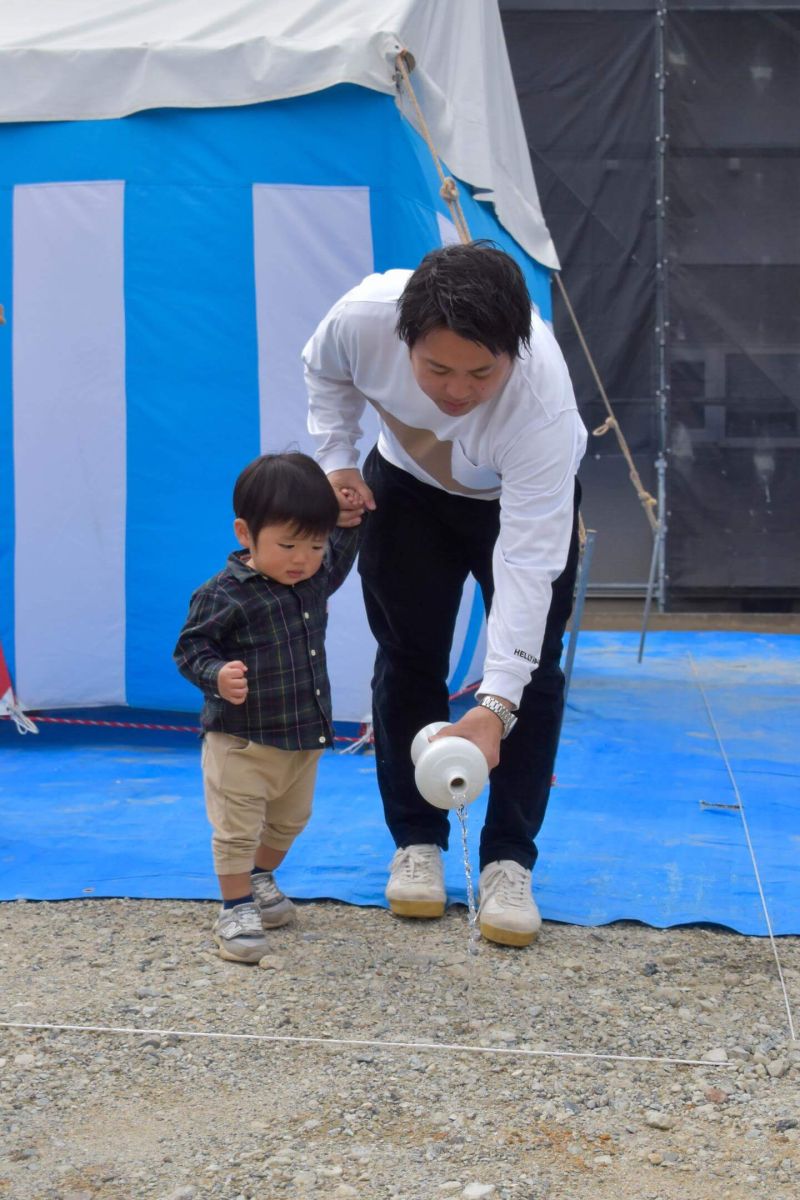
[[118, 1116]]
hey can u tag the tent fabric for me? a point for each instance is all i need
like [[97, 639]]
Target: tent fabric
[[67, 60], [162, 273]]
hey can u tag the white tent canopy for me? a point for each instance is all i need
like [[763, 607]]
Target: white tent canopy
[[68, 60]]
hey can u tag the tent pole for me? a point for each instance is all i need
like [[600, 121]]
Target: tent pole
[[656, 560], [577, 612], [651, 580]]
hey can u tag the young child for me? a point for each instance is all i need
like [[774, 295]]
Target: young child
[[254, 643]]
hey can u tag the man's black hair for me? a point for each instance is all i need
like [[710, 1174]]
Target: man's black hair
[[475, 290], [286, 489]]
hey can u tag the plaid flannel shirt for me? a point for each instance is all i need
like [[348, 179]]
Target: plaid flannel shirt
[[278, 631]]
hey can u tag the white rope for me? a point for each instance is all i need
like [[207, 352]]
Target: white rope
[[12, 710], [449, 189], [365, 1042], [364, 740], [647, 501], [756, 872]]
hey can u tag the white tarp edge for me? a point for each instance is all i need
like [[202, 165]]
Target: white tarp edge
[[97, 59]]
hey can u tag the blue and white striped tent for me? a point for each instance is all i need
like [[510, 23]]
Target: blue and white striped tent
[[164, 255]]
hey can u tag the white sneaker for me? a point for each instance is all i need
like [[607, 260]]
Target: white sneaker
[[507, 912], [274, 908], [416, 882], [238, 934]]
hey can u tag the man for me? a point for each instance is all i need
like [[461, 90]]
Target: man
[[474, 472]]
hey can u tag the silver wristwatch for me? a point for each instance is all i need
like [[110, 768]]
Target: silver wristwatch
[[499, 710]]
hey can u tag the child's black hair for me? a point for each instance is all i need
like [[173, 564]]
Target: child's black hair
[[286, 489], [475, 290]]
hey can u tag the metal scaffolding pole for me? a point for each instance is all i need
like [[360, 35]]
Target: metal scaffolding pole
[[657, 580], [662, 296]]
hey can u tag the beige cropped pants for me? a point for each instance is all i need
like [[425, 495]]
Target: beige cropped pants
[[254, 795]]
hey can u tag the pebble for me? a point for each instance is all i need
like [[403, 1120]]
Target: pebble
[[208, 1119], [272, 962], [659, 1120], [709, 1111]]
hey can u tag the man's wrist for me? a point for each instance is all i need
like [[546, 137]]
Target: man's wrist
[[500, 699], [501, 709]]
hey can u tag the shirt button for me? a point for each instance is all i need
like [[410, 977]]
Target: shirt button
[[306, 615], [322, 739], [319, 693], [313, 653]]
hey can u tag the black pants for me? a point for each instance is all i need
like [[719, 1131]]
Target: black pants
[[418, 548]]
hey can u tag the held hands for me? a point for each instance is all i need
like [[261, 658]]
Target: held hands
[[354, 497], [481, 727], [232, 682]]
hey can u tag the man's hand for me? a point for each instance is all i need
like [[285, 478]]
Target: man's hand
[[348, 517], [483, 728], [232, 682], [354, 497]]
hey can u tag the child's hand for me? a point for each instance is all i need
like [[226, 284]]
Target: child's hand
[[351, 515], [232, 682], [353, 495]]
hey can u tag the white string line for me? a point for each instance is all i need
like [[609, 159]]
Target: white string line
[[362, 1042], [740, 802]]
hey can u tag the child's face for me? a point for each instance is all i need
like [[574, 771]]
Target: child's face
[[279, 553]]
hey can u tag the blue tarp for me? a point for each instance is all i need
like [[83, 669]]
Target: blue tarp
[[642, 823]]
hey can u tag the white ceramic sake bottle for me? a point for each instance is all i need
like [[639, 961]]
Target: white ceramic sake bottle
[[448, 772]]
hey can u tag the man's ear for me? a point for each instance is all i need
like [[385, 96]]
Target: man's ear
[[242, 532]]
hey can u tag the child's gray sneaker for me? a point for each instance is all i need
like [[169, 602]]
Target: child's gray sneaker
[[274, 908], [239, 935]]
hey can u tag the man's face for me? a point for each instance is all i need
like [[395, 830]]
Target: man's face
[[457, 375]]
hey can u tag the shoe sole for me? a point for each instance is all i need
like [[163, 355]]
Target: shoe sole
[[426, 909], [507, 937], [275, 920], [226, 954]]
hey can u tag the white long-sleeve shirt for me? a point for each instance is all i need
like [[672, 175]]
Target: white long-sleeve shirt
[[523, 446]]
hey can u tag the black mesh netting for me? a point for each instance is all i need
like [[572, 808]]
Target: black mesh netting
[[586, 76]]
